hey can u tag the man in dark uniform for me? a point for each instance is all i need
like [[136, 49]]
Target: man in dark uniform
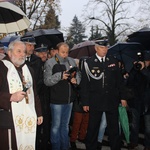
[[102, 91], [44, 95], [52, 51], [32, 60]]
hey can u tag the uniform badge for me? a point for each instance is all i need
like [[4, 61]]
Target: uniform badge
[[95, 68], [107, 59], [95, 60], [112, 65], [92, 70], [98, 71]]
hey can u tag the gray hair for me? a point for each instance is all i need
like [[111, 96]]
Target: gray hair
[[13, 43]]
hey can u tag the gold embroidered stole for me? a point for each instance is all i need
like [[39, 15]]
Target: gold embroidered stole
[[24, 115]]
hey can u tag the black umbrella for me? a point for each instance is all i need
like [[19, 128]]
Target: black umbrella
[[50, 37], [12, 18], [142, 36], [127, 53], [82, 49]]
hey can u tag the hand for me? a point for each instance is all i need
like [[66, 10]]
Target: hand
[[140, 62], [17, 96], [124, 103], [40, 120], [125, 76], [65, 75], [143, 64], [73, 81], [86, 108]]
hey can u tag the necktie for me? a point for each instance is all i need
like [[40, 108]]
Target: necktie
[[28, 59], [102, 59]]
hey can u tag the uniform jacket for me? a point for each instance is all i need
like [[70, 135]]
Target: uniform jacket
[[62, 91], [103, 94], [36, 64], [44, 95]]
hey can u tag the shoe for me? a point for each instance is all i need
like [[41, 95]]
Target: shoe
[[82, 141], [132, 146], [146, 148], [122, 143], [73, 146], [99, 146]]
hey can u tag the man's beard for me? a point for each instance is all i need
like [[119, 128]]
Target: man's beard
[[18, 61]]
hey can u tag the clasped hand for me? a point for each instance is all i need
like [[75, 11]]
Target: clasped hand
[[17, 96]]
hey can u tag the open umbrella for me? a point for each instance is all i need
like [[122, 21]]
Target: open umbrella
[[142, 36], [124, 122], [50, 37], [12, 18], [7, 39], [82, 49], [126, 53]]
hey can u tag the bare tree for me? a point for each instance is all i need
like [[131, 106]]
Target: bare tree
[[36, 10], [112, 17], [143, 13]]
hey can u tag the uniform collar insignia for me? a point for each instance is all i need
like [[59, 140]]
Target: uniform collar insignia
[[96, 60], [107, 58]]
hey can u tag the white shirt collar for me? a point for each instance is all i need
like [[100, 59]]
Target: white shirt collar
[[100, 58]]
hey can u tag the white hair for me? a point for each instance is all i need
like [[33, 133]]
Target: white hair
[[13, 43]]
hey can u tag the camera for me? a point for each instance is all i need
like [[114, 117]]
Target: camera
[[72, 73], [137, 65]]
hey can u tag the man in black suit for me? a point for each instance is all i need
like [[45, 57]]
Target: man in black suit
[[44, 95], [101, 91], [32, 60]]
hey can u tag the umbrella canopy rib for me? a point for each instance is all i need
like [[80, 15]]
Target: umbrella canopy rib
[[12, 18], [7, 16]]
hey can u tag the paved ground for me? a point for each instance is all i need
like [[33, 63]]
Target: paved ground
[[81, 146]]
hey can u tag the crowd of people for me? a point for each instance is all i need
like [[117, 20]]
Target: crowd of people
[[49, 100]]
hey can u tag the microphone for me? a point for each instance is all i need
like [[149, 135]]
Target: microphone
[[26, 86]]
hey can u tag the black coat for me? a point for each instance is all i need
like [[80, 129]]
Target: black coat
[[37, 65], [103, 94], [139, 82]]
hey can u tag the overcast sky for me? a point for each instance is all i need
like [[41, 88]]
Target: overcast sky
[[70, 8]]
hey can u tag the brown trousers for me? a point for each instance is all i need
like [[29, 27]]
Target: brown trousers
[[79, 127]]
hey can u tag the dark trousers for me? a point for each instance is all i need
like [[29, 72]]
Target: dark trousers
[[147, 130], [93, 129], [43, 134], [135, 126]]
